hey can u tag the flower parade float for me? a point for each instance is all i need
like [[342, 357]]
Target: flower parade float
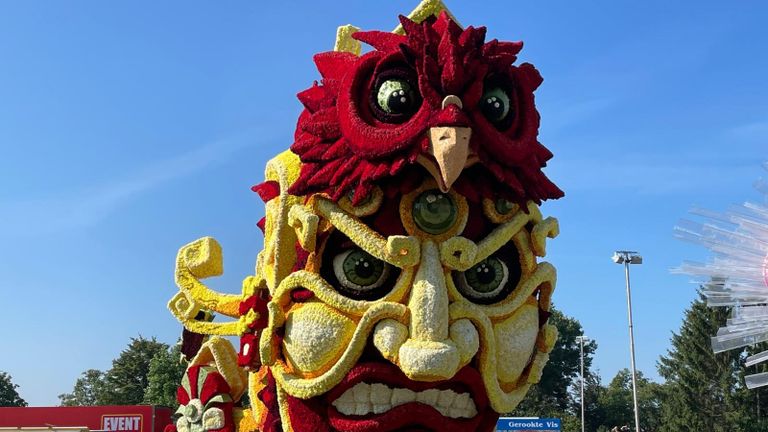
[[400, 286]]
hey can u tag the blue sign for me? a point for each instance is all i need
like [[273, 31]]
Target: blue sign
[[522, 424]]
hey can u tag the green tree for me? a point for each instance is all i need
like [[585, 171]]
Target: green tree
[[617, 404], [754, 402], [616, 401], [125, 383], [9, 397], [165, 372], [703, 388], [550, 397], [594, 413], [564, 366], [88, 390]]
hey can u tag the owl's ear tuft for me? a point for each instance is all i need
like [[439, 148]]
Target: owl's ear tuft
[[408, 55], [382, 41]]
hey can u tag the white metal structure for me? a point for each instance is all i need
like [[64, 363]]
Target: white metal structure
[[581, 340], [627, 258]]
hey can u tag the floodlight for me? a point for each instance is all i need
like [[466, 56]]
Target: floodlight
[[627, 257]]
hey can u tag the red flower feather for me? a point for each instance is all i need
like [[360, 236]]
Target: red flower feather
[[345, 148]]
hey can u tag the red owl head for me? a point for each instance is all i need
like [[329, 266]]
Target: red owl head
[[439, 97]]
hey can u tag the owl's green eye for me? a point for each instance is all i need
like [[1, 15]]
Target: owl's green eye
[[395, 96], [484, 282], [496, 106], [359, 272]]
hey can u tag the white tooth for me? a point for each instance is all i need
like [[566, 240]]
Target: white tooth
[[378, 409], [428, 397], [364, 399], [362, 408], [346, 397], [462, 401], [445, 399], [347, 408], [362, 392], [471, 410], [381, 394], [402, 396]]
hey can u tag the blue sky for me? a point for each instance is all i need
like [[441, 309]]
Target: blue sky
[[129, 129]]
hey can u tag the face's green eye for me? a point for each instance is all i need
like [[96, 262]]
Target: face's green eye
[[504, 206], [496, 105], [485, 282], [359, 272], [434, 212]]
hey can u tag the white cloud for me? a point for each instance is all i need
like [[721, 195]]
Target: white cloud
[[81, 208]]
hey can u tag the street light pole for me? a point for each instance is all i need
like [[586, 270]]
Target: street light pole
[[581, 351], [627, 258]]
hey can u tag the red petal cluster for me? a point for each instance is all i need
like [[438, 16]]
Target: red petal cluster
[[248, 356], [344, 149], [213, 384]]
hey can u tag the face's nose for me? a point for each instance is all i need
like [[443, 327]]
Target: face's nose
[[428, 302], [429, 354]]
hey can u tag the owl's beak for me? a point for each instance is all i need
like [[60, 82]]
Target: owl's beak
[[448, 146]]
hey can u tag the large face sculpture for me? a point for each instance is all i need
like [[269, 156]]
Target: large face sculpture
[[399, 287]]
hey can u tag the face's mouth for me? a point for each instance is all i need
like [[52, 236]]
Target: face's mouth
[[378, 397]]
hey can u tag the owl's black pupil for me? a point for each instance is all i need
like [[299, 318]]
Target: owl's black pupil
[[364, 269], [493, 108], [399, 102], [485, 274]]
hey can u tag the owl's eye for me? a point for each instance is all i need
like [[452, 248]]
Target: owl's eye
[[496, 106], [483, 281], [395, 97], [360, 275]]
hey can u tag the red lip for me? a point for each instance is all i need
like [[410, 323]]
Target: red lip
[[414, 415]]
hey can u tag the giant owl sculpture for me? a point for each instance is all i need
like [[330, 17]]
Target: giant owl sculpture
[[399, 288]]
